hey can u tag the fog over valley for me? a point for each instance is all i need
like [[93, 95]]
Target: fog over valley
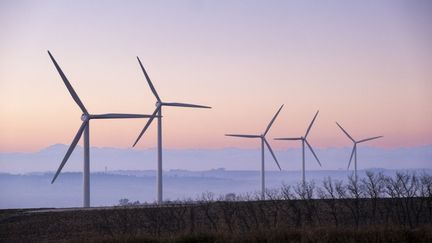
[[130, 173]]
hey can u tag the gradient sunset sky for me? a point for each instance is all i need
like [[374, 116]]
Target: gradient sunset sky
[[365, 64]]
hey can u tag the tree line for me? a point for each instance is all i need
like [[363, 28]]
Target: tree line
[[404, 199]]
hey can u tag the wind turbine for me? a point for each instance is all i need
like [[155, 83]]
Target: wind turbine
[[84, 128], [304, 141], [263, 141], [158, 111], [354, 150]]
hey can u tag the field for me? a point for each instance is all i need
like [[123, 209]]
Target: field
[[252, 221], [376, 209]]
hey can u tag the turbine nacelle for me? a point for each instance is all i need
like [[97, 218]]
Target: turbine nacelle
[[85, 117]]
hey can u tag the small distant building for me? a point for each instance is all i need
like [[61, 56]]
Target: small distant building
[[230, 197]]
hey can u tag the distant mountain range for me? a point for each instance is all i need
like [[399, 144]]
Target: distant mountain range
[[48, 159]]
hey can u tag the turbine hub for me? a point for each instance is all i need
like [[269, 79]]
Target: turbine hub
[[158, 103], [84, 117]]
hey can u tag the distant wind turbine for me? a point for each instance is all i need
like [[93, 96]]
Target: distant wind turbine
[[354, 150], [158, 110], [85, 128], [263, 141], [304, 141]]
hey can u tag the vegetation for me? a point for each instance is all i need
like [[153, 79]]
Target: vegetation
[[377, 208]]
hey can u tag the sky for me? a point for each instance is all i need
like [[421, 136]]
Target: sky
[[365, 64]]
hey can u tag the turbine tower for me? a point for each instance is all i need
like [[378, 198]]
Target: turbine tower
[[354, 150], [263, 141], [158, 111], [305, 141], [84, 128]]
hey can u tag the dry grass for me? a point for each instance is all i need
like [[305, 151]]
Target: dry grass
[[369, 234]]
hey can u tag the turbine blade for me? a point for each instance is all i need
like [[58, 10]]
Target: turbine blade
[[310, 125], [287, 138], [147, 125], [346, 133], [368, 139], [186, 105], [310, 147], [68, 85], [271, 122], [70, 149], [243, 135], [149, 81], [352, 154], [271, 151], [119, 116]]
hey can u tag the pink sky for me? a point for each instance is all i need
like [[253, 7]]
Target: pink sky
[[365, 64]]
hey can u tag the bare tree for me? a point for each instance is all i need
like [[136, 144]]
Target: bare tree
[[426, 192], [292, 205], [252, 208], [355, 193], [206, 204], [274, 202], [410, 190], [402, 189], [328, 196], [373, 185], [393, 207], [177, 215], [306, 192], [228, 212]]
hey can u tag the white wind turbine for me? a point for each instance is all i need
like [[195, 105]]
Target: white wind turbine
[[354, 150], [304, 141], [263, 141], [85, 128], [158, 111]]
